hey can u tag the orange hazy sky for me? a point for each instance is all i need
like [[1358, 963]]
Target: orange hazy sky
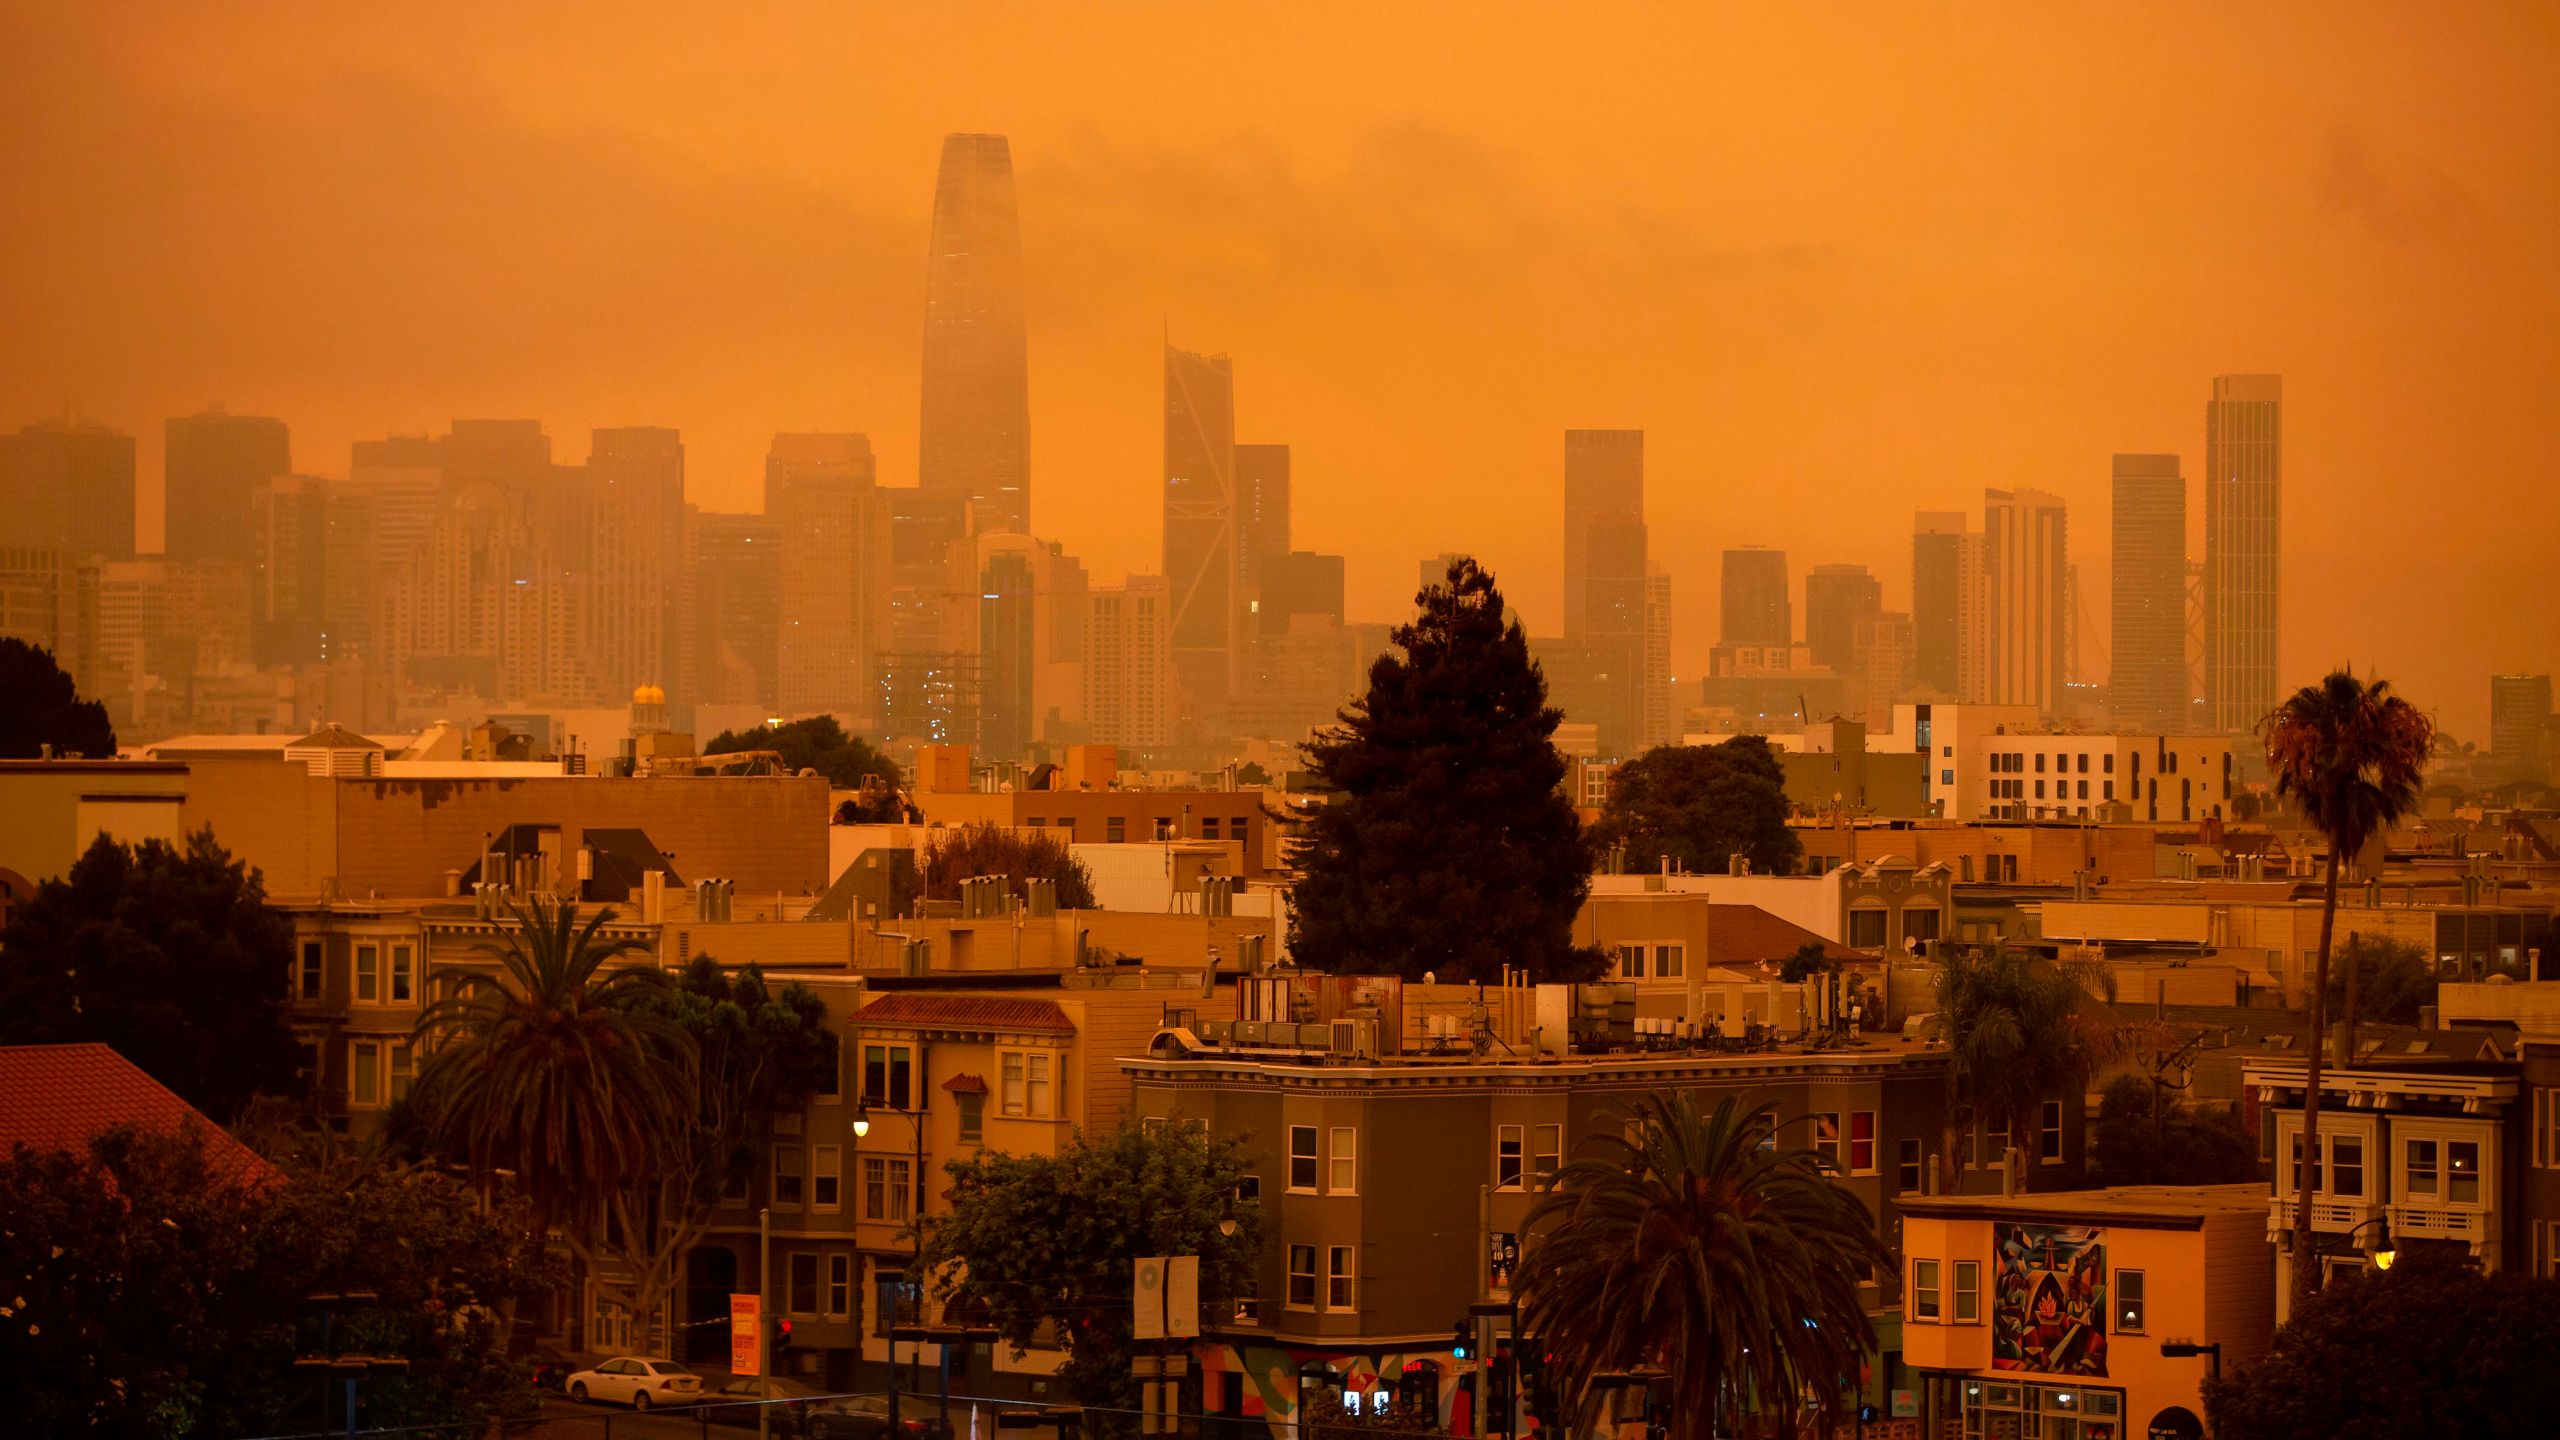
[[1840, 262]]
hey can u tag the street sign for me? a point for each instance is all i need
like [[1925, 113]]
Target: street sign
[[746, 1334]]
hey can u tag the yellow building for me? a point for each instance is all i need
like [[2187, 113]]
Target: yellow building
[[2045, 1317]]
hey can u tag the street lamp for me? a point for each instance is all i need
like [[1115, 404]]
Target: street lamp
[[2189, 1349]]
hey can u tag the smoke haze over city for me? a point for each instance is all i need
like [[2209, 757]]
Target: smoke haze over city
[[1840, 265]]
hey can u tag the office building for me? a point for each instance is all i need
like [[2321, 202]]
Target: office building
[[1129, 670], [1946, 572], [2026, 599], [928, 677], [210, 466], [2243, 532], [1262, 513], [288, 518], [635, 558], [1599, 671], [1756, 608], [975, 439], [822, 496], [2520, 725], [1656, 724], [1200, 563], [1009, 649], [734, 608], [1837, 599], [68, 485], [2147, 680]]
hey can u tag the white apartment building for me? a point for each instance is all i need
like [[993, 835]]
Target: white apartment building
[[2001, 762]]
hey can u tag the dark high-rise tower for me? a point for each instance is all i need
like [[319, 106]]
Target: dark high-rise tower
[[2147, 685], [67, 485], [1200, 567], [1756, 610], [976, 435], [1837, 600], [1600, 672], [2243, 474], [1262, 511], [209, 467]]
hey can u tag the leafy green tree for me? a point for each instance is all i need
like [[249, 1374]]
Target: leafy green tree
[[173, 957], [2020, 1029], [962, 852], [2145, 1137], [1252, 775], [570, 1077], [1699, 1247], [816, 743], [39, 706], [1699, 805], [2348, 757], [1448, 845], [2427, 1347], [1049, 1240], [156, 1295], [2393, 980]]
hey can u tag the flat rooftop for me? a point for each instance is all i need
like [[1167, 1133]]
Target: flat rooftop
[[2182, 1207]]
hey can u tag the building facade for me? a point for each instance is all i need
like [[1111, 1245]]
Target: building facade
[[2243, 548], [2147, 624]]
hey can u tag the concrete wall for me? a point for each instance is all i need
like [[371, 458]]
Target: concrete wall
[[51, 810]]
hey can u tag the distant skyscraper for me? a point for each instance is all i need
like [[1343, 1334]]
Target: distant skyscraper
[[1604, 586], [1837, 599], [1200, 566], [1262, 511], [1938, 583], [1658, 724], [2519, 725], [68, 485], [733, 608], [2147, 648], [1301, 583], [1008, 649], [1756, 609], [928, 671], [288, 575], [209, 466], [2243, 533], [1434, 569], [1128, 669], [635, 558], [821, 494], [2026, 577], [975, 440]]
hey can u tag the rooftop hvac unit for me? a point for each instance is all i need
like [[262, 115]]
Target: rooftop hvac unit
[[916, 959], [1246, 1032], [1041, 897], [1217, 894], [1249, 954]]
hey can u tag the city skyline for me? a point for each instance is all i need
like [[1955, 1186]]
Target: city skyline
[[1123, 230]]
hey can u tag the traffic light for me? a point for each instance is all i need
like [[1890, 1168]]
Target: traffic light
[[781, 1345], [1462, 1343], [1499, 1404], [1535, 1383]]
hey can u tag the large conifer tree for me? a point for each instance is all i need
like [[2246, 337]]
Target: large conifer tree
[[1448, 846]]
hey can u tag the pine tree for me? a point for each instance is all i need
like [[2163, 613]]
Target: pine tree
[[1448, 846]]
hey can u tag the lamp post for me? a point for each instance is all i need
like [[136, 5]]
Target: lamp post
[[915, 1224]]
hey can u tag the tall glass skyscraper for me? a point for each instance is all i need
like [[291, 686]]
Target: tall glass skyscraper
[[976, 435], [2243, 472], [1200, 565]]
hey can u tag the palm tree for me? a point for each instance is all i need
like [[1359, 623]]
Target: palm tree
[[551, 1069], [2348, 755], [2021, 1029], [1699, 1248]]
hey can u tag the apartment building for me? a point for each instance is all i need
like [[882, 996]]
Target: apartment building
[[1396, 1168], [2001, 762], [2046, 1315]]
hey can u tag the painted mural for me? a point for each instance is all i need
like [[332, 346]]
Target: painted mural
[[2049, 1299], [1271, 1379]]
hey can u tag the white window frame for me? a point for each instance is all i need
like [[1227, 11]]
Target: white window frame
[[1928, 1304], [364, 1074], [1822, 1135], [365, 981], [839, 1295], [1315, 1281], [1546, 1150], [1342, 1161], [1965, 1293], [2132, 1312], [1849, 1142], [1341, 1279], [400, 1071], [1510, 1157], [2050, 1139], [791, 1293], [1670, 961], [1628, 961], [400, 973], [797, 1170], [311, 980], [890, 1053], [826, 1173]]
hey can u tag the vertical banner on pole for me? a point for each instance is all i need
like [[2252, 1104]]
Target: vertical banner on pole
[[1146, 1300], [746, 1335], [1182, 1296]]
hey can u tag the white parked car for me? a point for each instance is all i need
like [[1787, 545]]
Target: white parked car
[[637, 1382]]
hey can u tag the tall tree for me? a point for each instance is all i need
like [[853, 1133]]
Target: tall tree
[[2145, 1137], [171, 956], [1035, 1240], [39, 706], [156, 1294], [1699, 1247], [2348, 757], [2394, 981], [564, 1073], [1698, 806], [2428, 1347], [962, 852], [816, 743], [2020, 1029], [1448, 845]]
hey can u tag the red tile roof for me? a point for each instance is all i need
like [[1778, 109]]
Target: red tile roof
[[1745, 934], [965, 1012], [58, 1097]]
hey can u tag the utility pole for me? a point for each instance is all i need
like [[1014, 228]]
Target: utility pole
[[764, 1314]]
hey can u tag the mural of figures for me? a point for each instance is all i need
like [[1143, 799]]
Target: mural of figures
[[2049, 1299], [1274, 1377]]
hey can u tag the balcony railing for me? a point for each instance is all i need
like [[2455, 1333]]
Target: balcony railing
[[2469, 1224], [2328, 1216]]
